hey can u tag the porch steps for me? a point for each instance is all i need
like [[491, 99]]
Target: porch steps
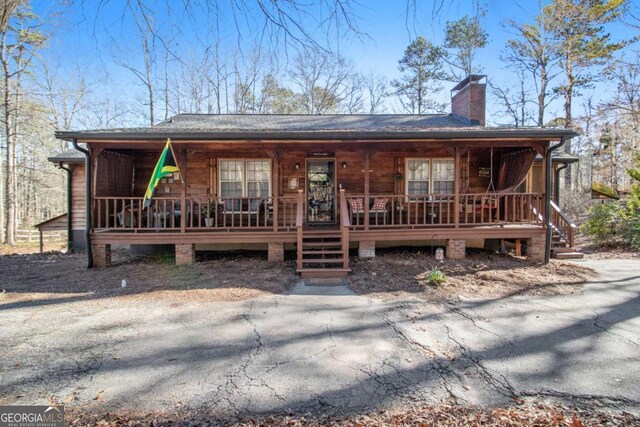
[[326, 273], [568, 255], [322, 255], [560, 249]]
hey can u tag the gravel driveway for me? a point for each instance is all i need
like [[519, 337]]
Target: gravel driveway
[[325, 349]]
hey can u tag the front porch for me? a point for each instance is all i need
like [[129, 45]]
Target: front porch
[[280, 221], [321, 203]]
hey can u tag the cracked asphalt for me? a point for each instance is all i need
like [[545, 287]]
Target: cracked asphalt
[[325, 349]]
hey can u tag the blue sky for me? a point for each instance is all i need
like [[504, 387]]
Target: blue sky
[[83, 36]]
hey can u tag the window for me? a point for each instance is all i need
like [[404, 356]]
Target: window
[[417, 177], [231, 178], [430, 176], [443, 176], [245, 178], [258, 179]]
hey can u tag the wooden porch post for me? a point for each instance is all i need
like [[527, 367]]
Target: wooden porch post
[[95, 152], [366, 189], [276, 188], [183, 217], [545, 178], [456, 187]]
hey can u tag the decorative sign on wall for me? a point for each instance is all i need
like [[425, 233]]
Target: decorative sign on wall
[[321, 154], [484, 172], [293, 184]]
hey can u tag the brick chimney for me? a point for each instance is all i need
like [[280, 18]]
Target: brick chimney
[[468, 98]]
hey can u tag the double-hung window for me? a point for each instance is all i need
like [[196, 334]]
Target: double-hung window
[[429, 176], [418, 177], [245, 178], [443, 176]]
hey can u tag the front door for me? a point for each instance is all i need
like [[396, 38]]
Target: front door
[[321, 191]]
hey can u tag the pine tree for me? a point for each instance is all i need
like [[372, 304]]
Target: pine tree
[[421, 65]]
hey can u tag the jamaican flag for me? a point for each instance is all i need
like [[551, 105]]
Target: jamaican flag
[[166, 166]]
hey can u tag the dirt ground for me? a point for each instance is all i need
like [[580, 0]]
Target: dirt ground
[[582, 244], [32, 248], [213, 278], [399, 272], [229, 277]]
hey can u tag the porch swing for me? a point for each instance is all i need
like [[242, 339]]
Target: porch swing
[[489, 201]]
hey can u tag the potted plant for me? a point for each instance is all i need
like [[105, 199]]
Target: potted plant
[[208, 211]]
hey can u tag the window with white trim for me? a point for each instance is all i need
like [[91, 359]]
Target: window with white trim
[[245, 178], [418, 176], [429, 176], [258, 178], [443, 176]]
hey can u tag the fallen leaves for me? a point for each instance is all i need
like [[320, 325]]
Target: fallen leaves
[[443, 415]]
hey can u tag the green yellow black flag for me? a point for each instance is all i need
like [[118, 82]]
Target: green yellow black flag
[[166, 166]]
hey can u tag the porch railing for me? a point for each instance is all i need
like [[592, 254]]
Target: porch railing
[[198, 214], [562, 224], [287, 213], [432, 210]]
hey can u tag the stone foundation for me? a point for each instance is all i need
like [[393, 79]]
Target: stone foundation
[[455, 249], [101, 255], [275, 252], [185, 254], [367, 249], [535, 248]]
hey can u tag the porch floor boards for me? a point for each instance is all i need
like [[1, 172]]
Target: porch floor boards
[[436, 232]]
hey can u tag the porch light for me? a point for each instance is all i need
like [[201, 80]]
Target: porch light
[[344, 165], [297, 166], [398, 176], [439, 254]]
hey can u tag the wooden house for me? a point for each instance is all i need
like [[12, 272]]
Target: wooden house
[[321, 184]]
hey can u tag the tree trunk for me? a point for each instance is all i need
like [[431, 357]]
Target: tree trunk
[[149, 80], [542, 95], [568, 119], [10, 197]]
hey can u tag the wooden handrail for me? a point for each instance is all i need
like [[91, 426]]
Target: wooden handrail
[[299, 224], [345, 222], [562, 224], [562, 214], [344, 210]]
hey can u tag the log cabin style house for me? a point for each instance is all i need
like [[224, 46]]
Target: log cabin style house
[[321, 184]]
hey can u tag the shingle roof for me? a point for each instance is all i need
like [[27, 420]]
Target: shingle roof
[[68, 156], [560, 157], [315, 123], [334, 126]]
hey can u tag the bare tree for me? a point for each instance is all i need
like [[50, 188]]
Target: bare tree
[[321, 79], [353, 101], [514, 99], [63, 99], [19, 40], [145, 74], [377, 93]]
